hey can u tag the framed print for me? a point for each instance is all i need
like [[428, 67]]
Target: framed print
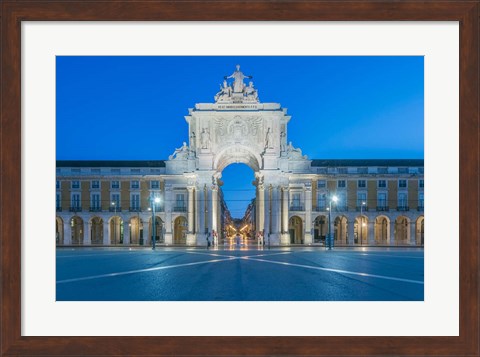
[[41, 38]]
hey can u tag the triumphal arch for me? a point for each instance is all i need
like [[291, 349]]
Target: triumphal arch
[[238, 128]]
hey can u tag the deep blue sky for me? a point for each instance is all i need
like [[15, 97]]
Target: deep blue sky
[[132, 108]]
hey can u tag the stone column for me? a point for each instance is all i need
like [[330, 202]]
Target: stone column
[[87, 233], [126, 233], [285, 238], [191, 212], [351, 232], [276, 211], [308, 214], [392, 233], [261, 208], [169, 203], [413, 235], [371, 232], [106, 231], [67, 233], [267, 210], [214, 210]]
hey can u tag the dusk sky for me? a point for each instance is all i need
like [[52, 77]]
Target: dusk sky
[[133, 108]]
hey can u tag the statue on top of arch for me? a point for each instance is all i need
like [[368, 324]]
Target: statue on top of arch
[[238, 89]]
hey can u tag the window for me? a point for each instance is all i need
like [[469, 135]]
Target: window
[[135, 184], [95, 184], [420, 183], [115, 171], [75, 184], [115, 201], [342, 170], [180, 202], [76, 200], [402, 200], [362, 170], [75, 171], [403, 170], [135, 171], [382, 170], [321, 183], [420, 170], [95, 201], [58, 201], [296, 202], [155, 184], [322, 170], [95, 171], [135, 201], [420, 200], [382, 183], [322, 201], [382, 199], [362, 183], [361, 198], [115, 184], [342, 201], [341, 184], [402, 183], [57, 184]]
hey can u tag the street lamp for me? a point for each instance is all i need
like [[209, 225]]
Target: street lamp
[[114, 223], [330, 238], [361, 222], [154, 223]]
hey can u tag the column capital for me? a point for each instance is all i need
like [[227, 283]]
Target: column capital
[[190, 188]]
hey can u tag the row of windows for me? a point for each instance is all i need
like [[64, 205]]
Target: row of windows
[[95, 184], [135, 184], [322, 200], [363, 183], [364, 170], [114, 203]]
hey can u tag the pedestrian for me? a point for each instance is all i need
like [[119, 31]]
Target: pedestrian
[[208, 242]]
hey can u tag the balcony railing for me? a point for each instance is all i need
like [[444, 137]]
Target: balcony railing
[[134, 209], [339, 208], [59, 209], [180, 209], [115, 209], [403, 208], [360, 208], [420, 208], [320, 209], [75, 209], [296, 208], [95, 209], [383, 208]]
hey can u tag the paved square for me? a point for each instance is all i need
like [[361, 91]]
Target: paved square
[[240, 274]]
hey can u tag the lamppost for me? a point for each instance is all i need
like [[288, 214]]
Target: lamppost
[[154, 223], [114, 223], [361, 223], [330, 238]]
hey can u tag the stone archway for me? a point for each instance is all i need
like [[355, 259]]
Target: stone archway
[[136, 230], [96, 230], [295, 228], [180, 230], [116, 230], [59, 238], [420, 231], [159, 234], [402, 231], [76, 224], [236, 154], [382, 230], [360, 229], [320, 229], [340, 230]]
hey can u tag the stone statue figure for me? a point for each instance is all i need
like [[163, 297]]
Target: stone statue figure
[[205, 138], [180, 153], [250, 91], [294, 153], [238, 77], [269, 139], [193, 141], [282, 141], [225, 91]]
